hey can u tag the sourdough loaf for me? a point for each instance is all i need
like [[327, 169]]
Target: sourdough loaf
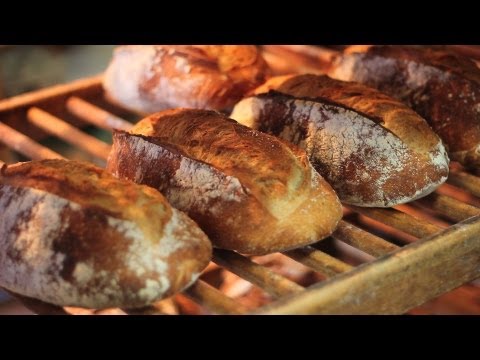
[[150, 78], [372, 149], [248, 191], [442, 87], [73, 235]]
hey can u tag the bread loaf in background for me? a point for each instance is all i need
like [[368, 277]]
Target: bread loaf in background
[[442, 87], [73, 235], [150, 78], [372, 149], [248, 191]]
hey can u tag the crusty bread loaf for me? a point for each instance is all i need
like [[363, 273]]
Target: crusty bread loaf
[[73, 235], [151, 78], [248, 191], [372, 149], [442, 87]]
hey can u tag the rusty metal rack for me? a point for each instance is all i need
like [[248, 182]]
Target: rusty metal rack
[[411, 253]]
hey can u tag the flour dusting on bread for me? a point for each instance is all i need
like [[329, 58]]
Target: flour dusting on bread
[[367, 164], [103, 250]]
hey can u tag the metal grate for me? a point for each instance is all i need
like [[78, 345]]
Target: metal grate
[[411, 253]]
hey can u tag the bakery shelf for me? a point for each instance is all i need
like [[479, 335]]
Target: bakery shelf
[[412, 253]]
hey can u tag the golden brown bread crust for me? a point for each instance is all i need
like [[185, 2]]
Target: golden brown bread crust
[[374, 150], [442, 87], [73, 235], [151, 78], [248, 191]]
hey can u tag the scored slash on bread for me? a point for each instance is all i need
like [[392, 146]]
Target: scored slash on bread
[[441, 86], [150, 78], [372, 149], [73, 235], [249, 191]]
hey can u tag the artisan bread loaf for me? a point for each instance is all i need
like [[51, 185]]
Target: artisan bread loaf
[[73, 235], [372, 149], [442, 87], [151, 78], [247, 190]]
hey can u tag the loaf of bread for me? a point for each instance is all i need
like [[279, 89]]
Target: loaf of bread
[[372, 149], [151, 78], [247, 190], [71, 234], [442, 87]]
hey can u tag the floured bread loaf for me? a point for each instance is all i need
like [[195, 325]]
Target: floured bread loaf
[[73, 235], [249, 191], [372, 149], [150, 78], [442, 87]]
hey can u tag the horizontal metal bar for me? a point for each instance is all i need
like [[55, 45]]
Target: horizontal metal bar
[[319, 261], [213, 299], [13, 110], [452, 208], [399, 220], [273, 283], [362, 240], [24, 145], [396, 282], [34, 98], [465, 181], [67, 132], [95, 115]]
